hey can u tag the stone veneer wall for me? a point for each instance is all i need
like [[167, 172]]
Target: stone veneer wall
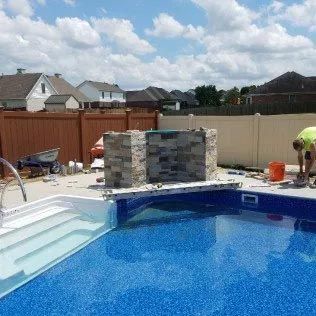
[[162, 156], [135, 158], [197, 155], [125, 159]]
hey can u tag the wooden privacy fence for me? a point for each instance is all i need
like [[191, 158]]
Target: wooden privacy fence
[[25, 133]]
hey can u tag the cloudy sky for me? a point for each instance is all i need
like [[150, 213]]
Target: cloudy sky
[[167, 43]]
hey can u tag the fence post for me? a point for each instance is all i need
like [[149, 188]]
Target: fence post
[[3, 145], [255, 141], [128, 119], [82, 138], [156, 119]]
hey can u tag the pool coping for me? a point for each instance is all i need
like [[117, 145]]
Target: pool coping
[[166, 189]]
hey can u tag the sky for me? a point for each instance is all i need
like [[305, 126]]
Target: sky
[[173, 44]]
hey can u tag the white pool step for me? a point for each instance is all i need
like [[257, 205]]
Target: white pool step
[[34, 217], [20, 249], [8, 269], [36, 236], [28, 256], [41, 225], [52, 252]]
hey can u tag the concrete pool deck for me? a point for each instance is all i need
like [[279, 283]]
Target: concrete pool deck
[[85, 185]]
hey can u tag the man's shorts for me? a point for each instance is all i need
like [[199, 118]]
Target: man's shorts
[[308, 155]]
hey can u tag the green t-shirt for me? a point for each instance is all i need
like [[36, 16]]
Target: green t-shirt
[[308, 135]]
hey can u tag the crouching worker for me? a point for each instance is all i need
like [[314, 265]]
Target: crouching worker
[[306, 140]]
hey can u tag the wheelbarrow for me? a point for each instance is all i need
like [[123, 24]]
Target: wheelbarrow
[[41, 160]]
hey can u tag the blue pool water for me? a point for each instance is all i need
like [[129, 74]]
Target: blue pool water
[[184, 257]]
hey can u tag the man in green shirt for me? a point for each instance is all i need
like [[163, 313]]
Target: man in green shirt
[[306, 140]]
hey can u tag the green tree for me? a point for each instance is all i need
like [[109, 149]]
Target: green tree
[[247, 89], [232, 96], [208, 95]]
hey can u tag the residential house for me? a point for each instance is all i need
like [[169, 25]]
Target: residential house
[[288, 88], [25, 91], [61, 103], [64, 88], [186, 99], [103, 94], [152, 97]]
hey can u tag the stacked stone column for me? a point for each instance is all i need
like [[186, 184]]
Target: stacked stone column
[[197, 155], [125, 159], [135, 158]]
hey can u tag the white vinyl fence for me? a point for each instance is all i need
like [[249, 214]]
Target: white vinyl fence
[[248, 140]]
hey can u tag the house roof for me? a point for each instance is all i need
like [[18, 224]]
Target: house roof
[[140, 96], [103, 86], [131, 93], [184, 96], [151, 94], [59, 98], [13, 87], [287, 83], [159, 93], [65, 88]]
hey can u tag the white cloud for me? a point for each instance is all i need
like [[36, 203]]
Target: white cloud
[[258, 40], [225, 15], [41, 2], [19, 7], [168, 27], [301, 14], [276, 6], [83, 49], [78, 32], [121, 32], [70, 2]]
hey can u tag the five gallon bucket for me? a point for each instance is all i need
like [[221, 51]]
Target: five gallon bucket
[[276, 171]]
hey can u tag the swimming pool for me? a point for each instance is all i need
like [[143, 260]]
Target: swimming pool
[[228, 252]]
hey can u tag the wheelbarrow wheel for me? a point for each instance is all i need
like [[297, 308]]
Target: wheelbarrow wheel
[[55, 168]]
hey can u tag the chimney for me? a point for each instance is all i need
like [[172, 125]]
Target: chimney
[[20, 71], [57, 75]]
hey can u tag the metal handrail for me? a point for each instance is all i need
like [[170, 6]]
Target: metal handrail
[[17, 176]]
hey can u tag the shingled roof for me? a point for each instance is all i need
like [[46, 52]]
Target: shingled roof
[[142, 95], [287, 83], [160, 93], [17, 87], [184, 96], [103, 86], [65, 88], [58, 99], [148, 94]]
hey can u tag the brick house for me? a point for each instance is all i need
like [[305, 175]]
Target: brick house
[[288, 88]]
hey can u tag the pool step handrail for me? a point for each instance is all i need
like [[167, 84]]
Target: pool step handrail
[[20, 182]]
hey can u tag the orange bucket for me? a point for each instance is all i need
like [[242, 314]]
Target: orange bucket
[[276, 171]]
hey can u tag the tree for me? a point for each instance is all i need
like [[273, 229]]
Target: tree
[[208, 95], [247, 89], [232, 96]]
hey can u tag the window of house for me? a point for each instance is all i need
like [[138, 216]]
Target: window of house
[[110, 95], [43, 88], [292, 98], [102, 94]]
